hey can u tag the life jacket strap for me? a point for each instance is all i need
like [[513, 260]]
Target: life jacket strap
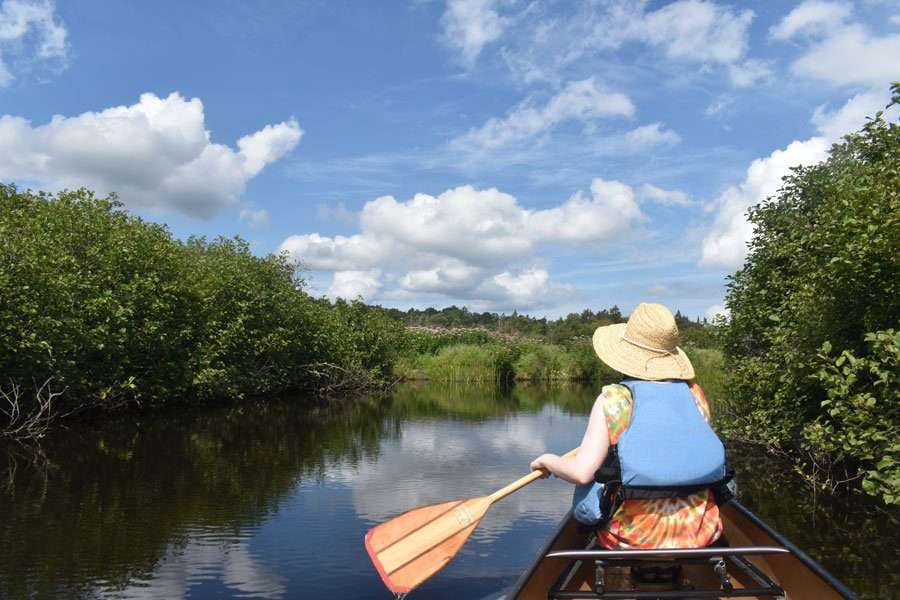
[[615, 492]]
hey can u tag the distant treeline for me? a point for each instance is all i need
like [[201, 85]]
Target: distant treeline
[[696, 332]]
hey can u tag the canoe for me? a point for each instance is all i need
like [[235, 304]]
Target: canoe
[[751, 561]]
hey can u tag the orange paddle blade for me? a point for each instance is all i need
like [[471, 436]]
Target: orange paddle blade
[[412, 547]]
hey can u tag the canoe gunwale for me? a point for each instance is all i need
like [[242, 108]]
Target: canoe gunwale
[[545, 549], [668, 553], [799, 554]]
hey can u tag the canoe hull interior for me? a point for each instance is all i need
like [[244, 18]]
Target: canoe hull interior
[[799, 576]]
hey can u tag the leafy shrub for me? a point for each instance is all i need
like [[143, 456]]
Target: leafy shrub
[[823, 271], [422, 341], [861, 413], [113, 309]]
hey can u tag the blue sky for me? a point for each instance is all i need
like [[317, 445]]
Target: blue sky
[[502, 154]]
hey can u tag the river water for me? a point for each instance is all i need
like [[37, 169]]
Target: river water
[[272, 500]]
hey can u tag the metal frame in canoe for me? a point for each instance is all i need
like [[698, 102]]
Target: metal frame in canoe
[[755, 562]]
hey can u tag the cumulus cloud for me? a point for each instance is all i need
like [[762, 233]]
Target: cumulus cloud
[[469, 25], [337, 253], [578, 101], [155, 154], [725, 245], [355, 284], [469, 244], [839, 51], [833, 124], [30, 33]]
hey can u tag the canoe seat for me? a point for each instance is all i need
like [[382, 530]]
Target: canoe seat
[[664, 573]]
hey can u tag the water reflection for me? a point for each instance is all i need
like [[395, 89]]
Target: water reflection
[[205, 558], [271, 500]]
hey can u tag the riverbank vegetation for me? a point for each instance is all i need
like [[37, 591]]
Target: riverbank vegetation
[[812, 348], [100, 309]]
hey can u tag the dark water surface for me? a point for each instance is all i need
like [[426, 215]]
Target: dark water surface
[[272, 500]]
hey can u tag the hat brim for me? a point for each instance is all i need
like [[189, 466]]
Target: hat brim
[[636, 361]]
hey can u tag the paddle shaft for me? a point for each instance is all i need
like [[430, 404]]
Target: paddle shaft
[[522, 481]]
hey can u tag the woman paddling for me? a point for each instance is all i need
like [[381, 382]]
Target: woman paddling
[[660, 467]]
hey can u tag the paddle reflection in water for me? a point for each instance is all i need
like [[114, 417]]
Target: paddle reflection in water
[[272, 500]]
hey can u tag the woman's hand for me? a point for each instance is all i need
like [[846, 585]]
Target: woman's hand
[[541, 464]]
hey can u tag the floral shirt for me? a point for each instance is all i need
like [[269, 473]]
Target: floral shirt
[[689, 522]]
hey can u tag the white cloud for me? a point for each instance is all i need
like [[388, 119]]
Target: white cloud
[[578, 101], [648, 136], [812, 16], [691, 31], [528, 287], [355, 284], [470, 244], [850, 117], [651, 193], [469, 25], [717, 310], [451, 276], [839, 51], [338, 253], [852, 56], [748, 72], [610, 208], [30, 33], [156, 154], [699, 31], [725, 245], [256, 218]]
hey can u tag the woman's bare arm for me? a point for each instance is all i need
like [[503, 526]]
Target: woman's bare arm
[[580, 469]]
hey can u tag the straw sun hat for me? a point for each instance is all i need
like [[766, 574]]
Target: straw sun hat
[[646, 347]]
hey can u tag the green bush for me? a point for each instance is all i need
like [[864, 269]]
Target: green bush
[[422, 341], [709, 373], [823, 271], [861, 413], [113, 309]]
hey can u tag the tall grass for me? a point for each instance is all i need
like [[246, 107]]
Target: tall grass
[[709, 368], [506, 361]]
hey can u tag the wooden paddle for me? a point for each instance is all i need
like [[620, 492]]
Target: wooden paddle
[[413, 546]]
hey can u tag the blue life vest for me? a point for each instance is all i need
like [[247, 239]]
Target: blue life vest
[[668, 450], [668, 443]]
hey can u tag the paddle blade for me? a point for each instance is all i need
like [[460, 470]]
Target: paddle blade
[[413, 546]]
